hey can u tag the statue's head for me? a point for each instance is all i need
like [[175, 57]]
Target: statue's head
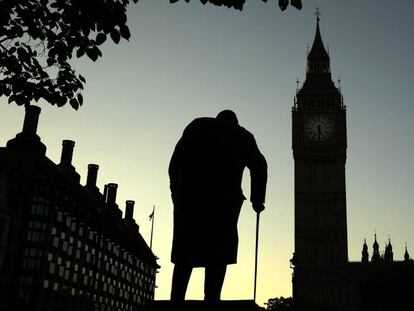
[[227, 116]]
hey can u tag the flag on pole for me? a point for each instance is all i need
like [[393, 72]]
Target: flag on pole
[[152, 214]]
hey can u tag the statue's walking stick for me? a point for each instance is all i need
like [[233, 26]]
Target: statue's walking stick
[[256, 254]]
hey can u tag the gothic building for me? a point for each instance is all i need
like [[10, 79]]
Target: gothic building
[[323, 277], [63, 245]]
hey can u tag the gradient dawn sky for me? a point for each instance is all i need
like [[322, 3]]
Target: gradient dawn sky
[[188, 60]]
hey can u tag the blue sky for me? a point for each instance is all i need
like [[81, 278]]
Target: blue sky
[[188, 60]]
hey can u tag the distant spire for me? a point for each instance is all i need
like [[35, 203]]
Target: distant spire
[[318, 50], [388, 255], [365, 254], [318, 58], [406, 255], [375, 245], [375, 254], [317, 14]]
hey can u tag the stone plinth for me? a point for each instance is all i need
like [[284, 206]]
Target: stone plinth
[[196, 305]]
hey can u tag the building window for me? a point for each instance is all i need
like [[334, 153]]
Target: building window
[[56, 242], [68, 221], [61, 271], [65, 246], [59, 216]]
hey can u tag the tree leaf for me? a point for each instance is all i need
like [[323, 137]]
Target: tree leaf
[[11, 98], [124, 30], [80, 99], [80, 52], [82, 79], [50, 61], [36, 97], [115, 36], [92, 54], [100, 38], [98, 51], [74, 103]]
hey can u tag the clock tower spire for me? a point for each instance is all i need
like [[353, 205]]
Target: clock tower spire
[[319, 151], [318, 58]]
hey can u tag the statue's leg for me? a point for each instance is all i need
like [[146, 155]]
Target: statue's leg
[[181, 276], [213, 282]]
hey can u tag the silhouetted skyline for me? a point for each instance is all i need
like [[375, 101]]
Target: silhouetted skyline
[[188, 60]]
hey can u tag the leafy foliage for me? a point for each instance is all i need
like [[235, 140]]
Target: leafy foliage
[[238, 4], [38, 38], [279, 304]]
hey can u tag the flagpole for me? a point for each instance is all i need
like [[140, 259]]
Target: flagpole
[[152, 225]]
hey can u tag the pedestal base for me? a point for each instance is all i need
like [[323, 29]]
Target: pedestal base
[[196, 305]]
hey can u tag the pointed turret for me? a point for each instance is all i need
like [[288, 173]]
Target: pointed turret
[[388, 255], [376, 257], [318, 58], [365, 254], [318, 90], [406, 255]]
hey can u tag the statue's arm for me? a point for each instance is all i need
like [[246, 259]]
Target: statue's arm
[[257, 165]]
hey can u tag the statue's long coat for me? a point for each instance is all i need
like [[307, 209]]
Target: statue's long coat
[[206, 171]]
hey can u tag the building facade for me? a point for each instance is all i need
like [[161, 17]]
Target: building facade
[[65, 246], [323, 277]]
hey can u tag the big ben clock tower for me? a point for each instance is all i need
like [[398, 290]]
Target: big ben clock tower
[[319, 150]]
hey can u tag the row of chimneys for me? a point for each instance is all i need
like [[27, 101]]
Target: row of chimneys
[[31, 120]]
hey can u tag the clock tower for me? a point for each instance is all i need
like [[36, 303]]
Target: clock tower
[[319, 150]]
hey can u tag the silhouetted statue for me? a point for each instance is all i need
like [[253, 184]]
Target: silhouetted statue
[[206, 172]]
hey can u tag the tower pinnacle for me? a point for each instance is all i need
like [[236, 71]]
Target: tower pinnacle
[[376, 257], [365, 254], [388, 255], [318, 58], [406, 255], [317, 14]]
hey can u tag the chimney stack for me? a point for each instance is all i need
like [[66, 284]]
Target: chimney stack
[[67, 152], [111, 193], [31, 120], [92, 175], [129, 210], [27, 142]]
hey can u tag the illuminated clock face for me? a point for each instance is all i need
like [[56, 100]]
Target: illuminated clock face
[[318, 128]]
